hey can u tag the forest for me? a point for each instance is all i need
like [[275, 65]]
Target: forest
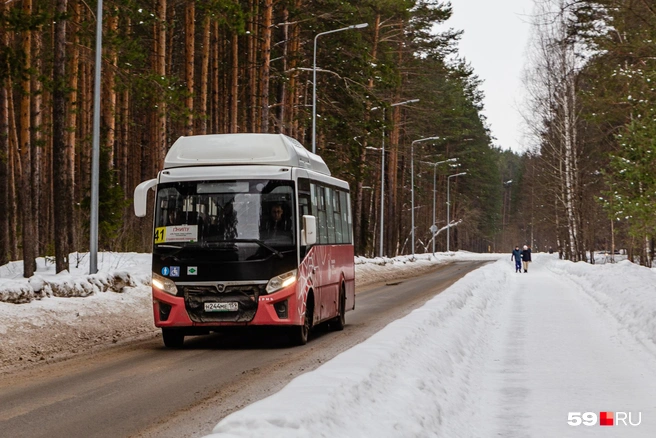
[[181, 67], [589, 182]]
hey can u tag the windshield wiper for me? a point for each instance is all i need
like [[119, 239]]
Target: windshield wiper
[[176, 249], [259, 242]]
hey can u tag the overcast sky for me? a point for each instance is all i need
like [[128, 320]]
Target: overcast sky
[[494, 42]]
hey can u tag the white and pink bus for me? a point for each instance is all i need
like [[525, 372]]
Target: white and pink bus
[[249, 230]]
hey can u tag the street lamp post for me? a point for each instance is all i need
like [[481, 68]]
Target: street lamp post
[[448, 205], [412, 188], [382, 174], [450, 160], [95, 149], [314, 80]]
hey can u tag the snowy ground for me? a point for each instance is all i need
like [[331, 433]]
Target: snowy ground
[[496, 354], [50, 317]]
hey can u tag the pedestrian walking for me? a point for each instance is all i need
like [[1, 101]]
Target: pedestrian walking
[[517, 257], [526, 257]]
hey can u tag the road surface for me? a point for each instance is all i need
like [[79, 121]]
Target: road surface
[[144, 390]]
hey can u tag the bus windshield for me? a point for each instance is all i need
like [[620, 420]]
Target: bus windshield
[[211, 213]]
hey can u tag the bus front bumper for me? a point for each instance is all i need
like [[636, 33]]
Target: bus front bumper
[[276, 309]]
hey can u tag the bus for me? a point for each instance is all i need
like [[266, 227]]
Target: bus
[[249, 230]]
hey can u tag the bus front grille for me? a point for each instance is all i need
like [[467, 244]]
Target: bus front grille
[[245, 296]]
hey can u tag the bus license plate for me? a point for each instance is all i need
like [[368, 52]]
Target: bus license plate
[[221, 307]]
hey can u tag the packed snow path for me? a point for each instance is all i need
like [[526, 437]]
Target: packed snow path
[[499, 354], [557, 351]]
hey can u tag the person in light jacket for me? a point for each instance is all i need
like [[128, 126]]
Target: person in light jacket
[[517, 257], [526, 257]]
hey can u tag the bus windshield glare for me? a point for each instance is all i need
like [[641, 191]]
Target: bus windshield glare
[[200, 213]]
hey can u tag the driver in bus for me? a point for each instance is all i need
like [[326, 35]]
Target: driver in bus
[[278, 224]]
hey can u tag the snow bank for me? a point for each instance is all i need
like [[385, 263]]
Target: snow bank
[[624, 290], [116, 271], [356, 391]]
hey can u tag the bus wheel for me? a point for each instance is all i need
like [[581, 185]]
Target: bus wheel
[[338, 322], [173, 338], [299, 333]]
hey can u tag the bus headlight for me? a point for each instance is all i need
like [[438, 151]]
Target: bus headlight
[[164, 284], [281, 281]]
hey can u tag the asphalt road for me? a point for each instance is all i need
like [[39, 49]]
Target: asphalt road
[[144, 390]]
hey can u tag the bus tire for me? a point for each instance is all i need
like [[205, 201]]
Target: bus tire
[[338, 322], [299, 333], [173, 338]]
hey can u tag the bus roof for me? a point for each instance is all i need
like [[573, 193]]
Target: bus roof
[[234, 149]]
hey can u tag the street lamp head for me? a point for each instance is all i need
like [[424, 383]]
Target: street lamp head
[[425, 139], [405, 102], [314, 79]]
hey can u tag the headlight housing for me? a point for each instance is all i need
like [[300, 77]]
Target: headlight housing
[[164, 284], [281, 281]]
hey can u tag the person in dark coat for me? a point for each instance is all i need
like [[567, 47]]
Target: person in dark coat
[[278, 225], [526, 257], [517, 256]]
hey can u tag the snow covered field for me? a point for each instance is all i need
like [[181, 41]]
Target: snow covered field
[[498, 353]]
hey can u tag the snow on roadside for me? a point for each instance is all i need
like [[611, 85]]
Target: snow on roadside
[[416, 377], [115, 272], [425, 357], [53, 316], [624, 290]]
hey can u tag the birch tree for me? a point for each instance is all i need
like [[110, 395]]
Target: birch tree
[[555, 99]]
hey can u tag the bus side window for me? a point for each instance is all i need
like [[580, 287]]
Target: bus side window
[[339, 238], [346, 224], [303, 206], [322, 228], [304, 198], [330, 219]]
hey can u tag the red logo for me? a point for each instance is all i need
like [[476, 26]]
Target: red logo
[[605, 418]]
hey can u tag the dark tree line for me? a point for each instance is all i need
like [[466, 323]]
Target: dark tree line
[[181, 67]]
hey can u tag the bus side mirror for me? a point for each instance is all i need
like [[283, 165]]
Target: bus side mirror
[[141, 197], [309, 232]]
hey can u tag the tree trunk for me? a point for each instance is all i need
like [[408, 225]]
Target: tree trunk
[[217, 109], [252, 66], [360, 229], [289, 120], [190, 29], [204, 74], [4, 155], [160, 67], [71, 124], [265, 69], [59, 147], [110, 91], [13, 174], [39, 204], [26, 190], [234, 93]]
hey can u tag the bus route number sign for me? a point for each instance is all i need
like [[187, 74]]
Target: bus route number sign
[[160, 235]]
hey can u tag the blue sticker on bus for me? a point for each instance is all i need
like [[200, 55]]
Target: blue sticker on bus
[[175, 271], [165, 270]]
